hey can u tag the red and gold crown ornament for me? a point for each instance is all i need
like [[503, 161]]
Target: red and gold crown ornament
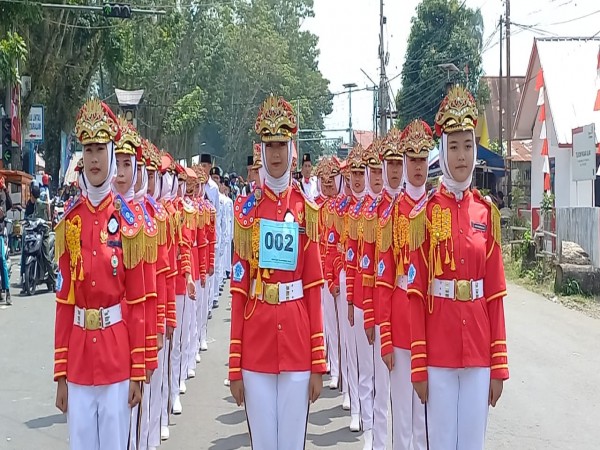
[[256, 157], [391, 147], [458, 112], [276, 121], [417, 139], [167, 164], [372, 155], [200, 173], [96, 123], [130, 142], [356, 161]]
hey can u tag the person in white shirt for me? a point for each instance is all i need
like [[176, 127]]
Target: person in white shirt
[[308, 182], [216, 174]]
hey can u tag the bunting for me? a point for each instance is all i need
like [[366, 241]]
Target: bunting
[[539, 86]]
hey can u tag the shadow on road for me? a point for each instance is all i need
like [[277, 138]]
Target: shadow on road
[[45, 422], [333, 438], [235, 441], [325, 416], [233, 418]]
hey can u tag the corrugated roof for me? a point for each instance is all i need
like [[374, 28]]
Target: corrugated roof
[[569, 66]]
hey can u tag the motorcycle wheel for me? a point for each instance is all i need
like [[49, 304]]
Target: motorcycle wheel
[[30, 282]]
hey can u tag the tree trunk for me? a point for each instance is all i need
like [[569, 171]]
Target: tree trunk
[[586, 277]]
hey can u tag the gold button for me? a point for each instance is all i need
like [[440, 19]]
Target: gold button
[[461, 231], [96, 222], [94, 340], [93, 283], [464, 322], [459, 206], [279, 327], [94, 253], [462, 261], [278, 211]]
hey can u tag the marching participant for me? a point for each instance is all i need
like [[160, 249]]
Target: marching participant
[[456, 288], [412, 146], [98, 357], [276, 301], [308, 182], [212, 194]]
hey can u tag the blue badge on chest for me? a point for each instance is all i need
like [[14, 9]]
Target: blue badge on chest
[[380, 268], [331, 238], [59, 281], [126, 212], [350, 255], [249, 204], [412, 273], [278, 245], [238, 272], [365, 262]]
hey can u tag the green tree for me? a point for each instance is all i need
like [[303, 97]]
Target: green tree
[[442, 32]]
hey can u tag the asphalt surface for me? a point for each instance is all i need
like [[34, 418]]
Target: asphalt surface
[[551, 402]]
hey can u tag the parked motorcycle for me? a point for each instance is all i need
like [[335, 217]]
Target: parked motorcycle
[[33, 268], [58, 210]]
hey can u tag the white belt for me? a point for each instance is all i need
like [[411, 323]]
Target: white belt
[[402, 282], [95, 319], [274, 293], [462, 290]]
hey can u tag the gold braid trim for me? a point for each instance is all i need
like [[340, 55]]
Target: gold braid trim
[[161, 225], [496, 227], [312, 221], [417, 230], [59, 240], [328, 217], [134, 249], [254, 271], [242, 240], [73, 238], [370, 227], [401, 241], [368, 280], [151, 245], [189, 219], [385, 234], [353, 227], [200, 219]]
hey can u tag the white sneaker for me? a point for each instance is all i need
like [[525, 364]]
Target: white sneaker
[[354, 422], [182, 387], [152, 448], [226, 382], [333, 384], [198, 357], [164, 433], [191, 373], [177, 408], [346, 402], [203, 345], [368, 437]]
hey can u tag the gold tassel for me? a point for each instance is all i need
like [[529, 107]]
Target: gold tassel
[[80, 278], [59, 240], [189, 219], [417, 229], [162, 231], [438, 262], [385, 235], [71, 296], [242, 241], [266, 275], [496, 227], [312, 221], [258, 289], [133, 249], [447, 260], [399, 264], [370, 229], [151, 253], [255, 242]]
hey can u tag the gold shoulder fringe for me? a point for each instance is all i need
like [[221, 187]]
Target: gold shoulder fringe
[[417, 229], [312, 220], [134, 249], [200, 219], [151, 252], [496, 226], [189, 218], [369, 229], [385, 234], [242, 240], [59, 240], [161, 225]]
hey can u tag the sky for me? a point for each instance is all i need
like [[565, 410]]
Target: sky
[[348, 33]]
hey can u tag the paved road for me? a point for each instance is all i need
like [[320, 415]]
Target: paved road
[[552, 401]]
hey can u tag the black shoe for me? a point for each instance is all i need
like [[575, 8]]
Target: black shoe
[[215, 305], [210, 314]]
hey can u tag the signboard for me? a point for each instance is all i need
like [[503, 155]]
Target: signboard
[[583, 162], [35, 124]]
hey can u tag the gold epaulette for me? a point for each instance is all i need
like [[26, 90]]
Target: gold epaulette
[[385, 231], [132, 236], [312, 220], [417, 228], [200, 216], [494, 215], [59, 239], [243, 226], [370, 221], [150, 238], [161, 225]]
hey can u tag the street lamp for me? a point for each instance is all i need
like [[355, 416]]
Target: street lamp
[[350, 86]]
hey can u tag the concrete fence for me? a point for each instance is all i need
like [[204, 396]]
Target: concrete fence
[[582, 226]]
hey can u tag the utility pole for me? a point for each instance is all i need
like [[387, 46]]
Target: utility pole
[[383, 103], [350, 86], [298, 164], [500, 83], [509, 124]]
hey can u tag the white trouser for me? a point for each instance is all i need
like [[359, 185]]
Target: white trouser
[[210, 288], [381, 395], [365, 354], [193, 345], [330, 325], [151, 407], [216, 281], [348, 350], [134, 423], [180, 345], [408, 413], [165, 388], [202, 312], [227, 256], [98, 416], [457, 408], [277, 409]]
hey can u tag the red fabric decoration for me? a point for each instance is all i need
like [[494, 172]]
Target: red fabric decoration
[[542, 115], [539, 81], [545, 147], [597, 103], [547, 186]]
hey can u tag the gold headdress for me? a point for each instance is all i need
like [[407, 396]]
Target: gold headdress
[[200, 173], [276, 121], [256, 157], [130, 142], [96, 123], [372, 155], [392, 148], [458, 112], [355, 158], [417, 139]]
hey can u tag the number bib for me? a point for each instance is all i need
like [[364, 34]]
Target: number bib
[[278, 245]]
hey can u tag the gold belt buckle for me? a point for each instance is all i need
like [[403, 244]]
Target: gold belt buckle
[[93, 319], [463, 290], [271, 293]]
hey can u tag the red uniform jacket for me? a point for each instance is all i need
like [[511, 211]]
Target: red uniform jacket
[[336, 239], [392, 306], [275, 338], [90, 251], [151, 313], [185, 241], [456, 240], [158, 212], [172, 231], [201, 241]]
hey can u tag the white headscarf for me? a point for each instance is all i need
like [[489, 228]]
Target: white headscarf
[[130, 194], [414, 192], [386, 182], [157, 185], [96, 194], [139, 195], [361, 195], [166, 184], [452, 185], [277, 185]]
